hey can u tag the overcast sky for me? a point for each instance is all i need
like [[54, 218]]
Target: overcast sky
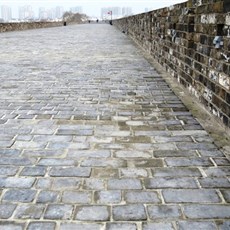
[[92, 7]]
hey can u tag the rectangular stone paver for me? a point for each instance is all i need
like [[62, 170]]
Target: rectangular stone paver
[[93, 138]]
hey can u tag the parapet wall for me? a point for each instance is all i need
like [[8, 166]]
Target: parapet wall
[[192, 42], [6, 27]]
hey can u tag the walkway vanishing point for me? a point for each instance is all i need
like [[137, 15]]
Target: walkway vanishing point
[[93, 138]]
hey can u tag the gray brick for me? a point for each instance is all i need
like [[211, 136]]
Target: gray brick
[[23, 195], [92, 213], [11, 225], [47, 197], [20, 161], [211, 153], [105, 173], [157, 226], [132, 154], [189, 133], [76, 226], [164, 146], [41, 225], [28, 211], [147, 163], [89, 153], [112, 163], [182, 162], [43, 153], [58, 212], [75, 132], [183, 182], [191, 225], [56, 162], [190, 196], [70, 172], [66, 183], [10, 152], [12, 182], [217, 172], [133, 172], [207, 211], [33, 171], [176, 172], [142, 197], [8, 170], [163, 211], [129, 212], [196, 146], [122, 184], [120, 226], [94, 184], [6, 210], [43, 183], [107, 197], [174, 153], [76, 197], [29, 145], [214, 182]]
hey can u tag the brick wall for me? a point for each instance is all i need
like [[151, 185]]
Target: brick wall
[[192, 41], [6, 27]]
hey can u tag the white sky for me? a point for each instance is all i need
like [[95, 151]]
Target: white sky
[[91, 7]]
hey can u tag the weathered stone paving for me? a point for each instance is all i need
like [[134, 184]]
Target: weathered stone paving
[[92, 137]]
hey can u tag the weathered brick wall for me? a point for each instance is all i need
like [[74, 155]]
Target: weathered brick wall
[[192, 41], [6, 27]]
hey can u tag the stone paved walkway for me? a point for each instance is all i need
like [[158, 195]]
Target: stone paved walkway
[[92, 138]]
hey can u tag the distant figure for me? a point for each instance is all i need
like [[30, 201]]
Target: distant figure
[[97, 20], [111, 22], [89, 21], [64, 23]]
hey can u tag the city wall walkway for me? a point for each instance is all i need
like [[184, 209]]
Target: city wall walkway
[[92, 137]]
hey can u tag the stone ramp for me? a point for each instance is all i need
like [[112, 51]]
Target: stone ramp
[[92, 137]]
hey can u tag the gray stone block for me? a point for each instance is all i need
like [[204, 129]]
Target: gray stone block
[[92, 213], [58, 212], [129, 212], [164, 211]]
